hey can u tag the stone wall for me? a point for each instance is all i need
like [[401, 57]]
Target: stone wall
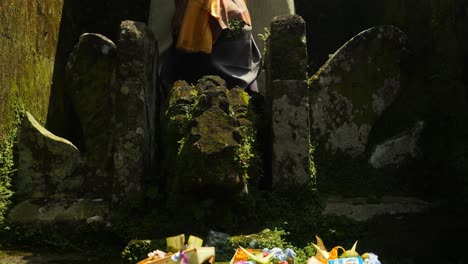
[[28, 40]]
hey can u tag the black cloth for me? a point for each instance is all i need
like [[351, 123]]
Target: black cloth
[[235, 59]]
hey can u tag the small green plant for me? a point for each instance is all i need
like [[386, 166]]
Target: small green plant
[[137, 250], [303, 254], [312, 167], [7, 164], [264, 37], [236, 29], [244, 154], [264, 239], [6, 170]]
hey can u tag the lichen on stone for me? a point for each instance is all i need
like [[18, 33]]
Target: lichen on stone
[[211, 136], [351, 91]]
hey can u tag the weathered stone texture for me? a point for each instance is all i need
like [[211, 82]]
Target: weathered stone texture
[[47, 164], [287, 51], [357, 208], [103, 17], [28, 40], [53, 211], [288, 100], [91, 72], [397, 150], [214, 136], [290, 129], [135, 112], [351, 91]]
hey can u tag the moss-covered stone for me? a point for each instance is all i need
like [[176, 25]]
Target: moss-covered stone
[[135, 114], [7, 164], [209, 142], [175, 122], [78, 211], [350, 92], [433, 77], [28, 41], [47, 164], [92, 87], [264, 239], [27, 56], [349, 95], [290, 132], [102, 17], [208, 146], [287, 48]]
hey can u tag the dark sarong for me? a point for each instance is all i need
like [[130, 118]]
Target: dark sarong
[[236, 60]]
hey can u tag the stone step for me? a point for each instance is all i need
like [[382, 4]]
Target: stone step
[[363, 209]]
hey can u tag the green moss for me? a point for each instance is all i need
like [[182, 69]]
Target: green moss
[[211, 147], [26, 64], [6, 170], [71, 237], [206, 160], [264, 239], [264, 38], [26, 57], [238, 100], [91, 76], [7, 164], [286, 66], [287, 58], [137, 250], [215, 131], [366, 80], [312, 166], [360, 75]]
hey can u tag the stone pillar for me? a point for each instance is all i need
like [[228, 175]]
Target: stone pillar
[[287, 52], [262, 12], [91, 72], [135, 113], [288, 100]]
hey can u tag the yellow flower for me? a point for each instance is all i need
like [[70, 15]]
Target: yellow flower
[[322, 255]]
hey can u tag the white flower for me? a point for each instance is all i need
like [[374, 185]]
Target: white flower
[[373, 259]]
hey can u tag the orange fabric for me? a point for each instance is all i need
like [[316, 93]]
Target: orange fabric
[[196, 34], [222, 10]]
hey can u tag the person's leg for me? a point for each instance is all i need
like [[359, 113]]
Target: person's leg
[[168, 74], [236, 58], [180, 65]]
